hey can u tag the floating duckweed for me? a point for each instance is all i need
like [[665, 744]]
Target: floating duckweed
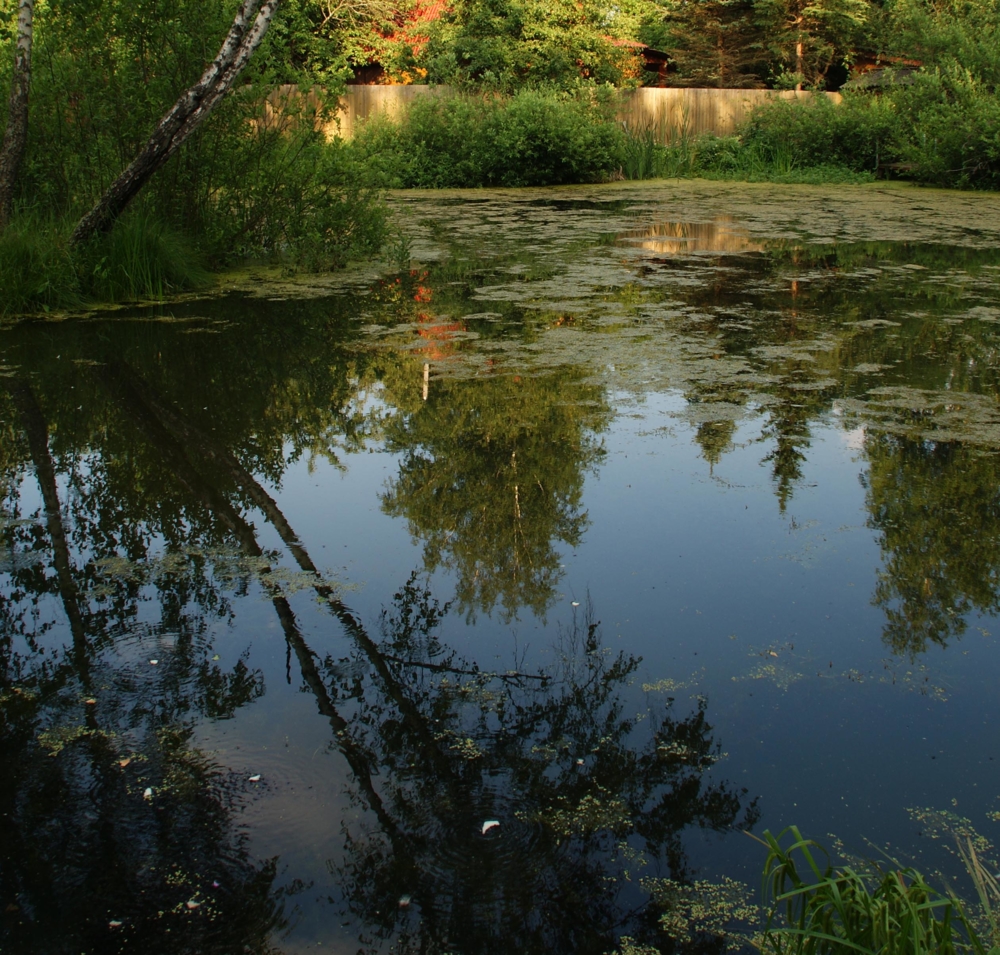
[[593, 813], [703, 907], [782, 677], [55, 740], [666, 686], [948, 826]]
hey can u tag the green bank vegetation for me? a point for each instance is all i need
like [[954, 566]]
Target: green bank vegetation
[[537, 82], [812, 906], [257, 180]]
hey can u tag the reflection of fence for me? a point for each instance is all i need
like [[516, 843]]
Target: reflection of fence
[[668, 111], [720, 234]]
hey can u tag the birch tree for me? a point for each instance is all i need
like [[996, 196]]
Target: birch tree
[[15, 136], [192, 108]]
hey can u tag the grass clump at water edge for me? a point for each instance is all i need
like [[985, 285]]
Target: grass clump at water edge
[[813, 907], [140, 258], [820, 909]]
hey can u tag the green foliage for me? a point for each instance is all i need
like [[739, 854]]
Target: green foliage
[[949, 114], [951, 119], [819, 909], [533, 138], [258, 179], [140, 258], [747, 158], [859, 133], [508, 44]]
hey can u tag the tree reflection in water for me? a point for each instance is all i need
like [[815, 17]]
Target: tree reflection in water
[[936, 509], [117, 833], [581, 792], [491, 480], [118, 823]]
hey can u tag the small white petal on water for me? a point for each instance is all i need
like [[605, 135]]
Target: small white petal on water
[[405, 900], [490, 824], [191, 904], [576, 603], [148, 794], [153, 662], [114, 923], [255, 779]]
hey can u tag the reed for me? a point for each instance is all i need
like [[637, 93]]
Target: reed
[[140, 259], [815, 908]]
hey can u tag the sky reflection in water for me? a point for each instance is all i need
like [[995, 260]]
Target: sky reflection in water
[[625, 517]]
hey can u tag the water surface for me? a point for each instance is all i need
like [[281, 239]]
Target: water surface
[[625, 517]]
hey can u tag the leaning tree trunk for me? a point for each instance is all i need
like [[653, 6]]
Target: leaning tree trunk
[[15, 137], [184, 117]]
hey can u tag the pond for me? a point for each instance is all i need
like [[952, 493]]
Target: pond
[[470, 601]]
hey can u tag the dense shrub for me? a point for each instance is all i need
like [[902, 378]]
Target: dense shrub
[[860, 133], [951, 120], [533, 138]]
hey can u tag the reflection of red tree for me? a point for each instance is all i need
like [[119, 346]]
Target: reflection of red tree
[[439, 336]]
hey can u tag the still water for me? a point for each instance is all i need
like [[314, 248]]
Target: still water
[[454, 603]]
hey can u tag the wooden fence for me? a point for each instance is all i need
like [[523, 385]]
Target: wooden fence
[[669, 112]]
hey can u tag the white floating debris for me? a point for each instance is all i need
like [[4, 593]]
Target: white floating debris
[[148, 794], [153, 663], [490, 824], [405, 900], [114, 923], [192, 905], [579, 762], [255, 778], [576, 603]]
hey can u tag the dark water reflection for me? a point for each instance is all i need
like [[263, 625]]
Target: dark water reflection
[[213, 741]]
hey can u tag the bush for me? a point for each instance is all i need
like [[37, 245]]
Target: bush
[[953, 124], [860, 133], [533, 138]]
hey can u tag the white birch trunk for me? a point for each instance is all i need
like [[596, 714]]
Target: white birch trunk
[[15, 137], [187, 114]]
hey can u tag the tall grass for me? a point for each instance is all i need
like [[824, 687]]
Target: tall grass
[[37, 271], [139, 259], [648, 154], [818, 909]]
